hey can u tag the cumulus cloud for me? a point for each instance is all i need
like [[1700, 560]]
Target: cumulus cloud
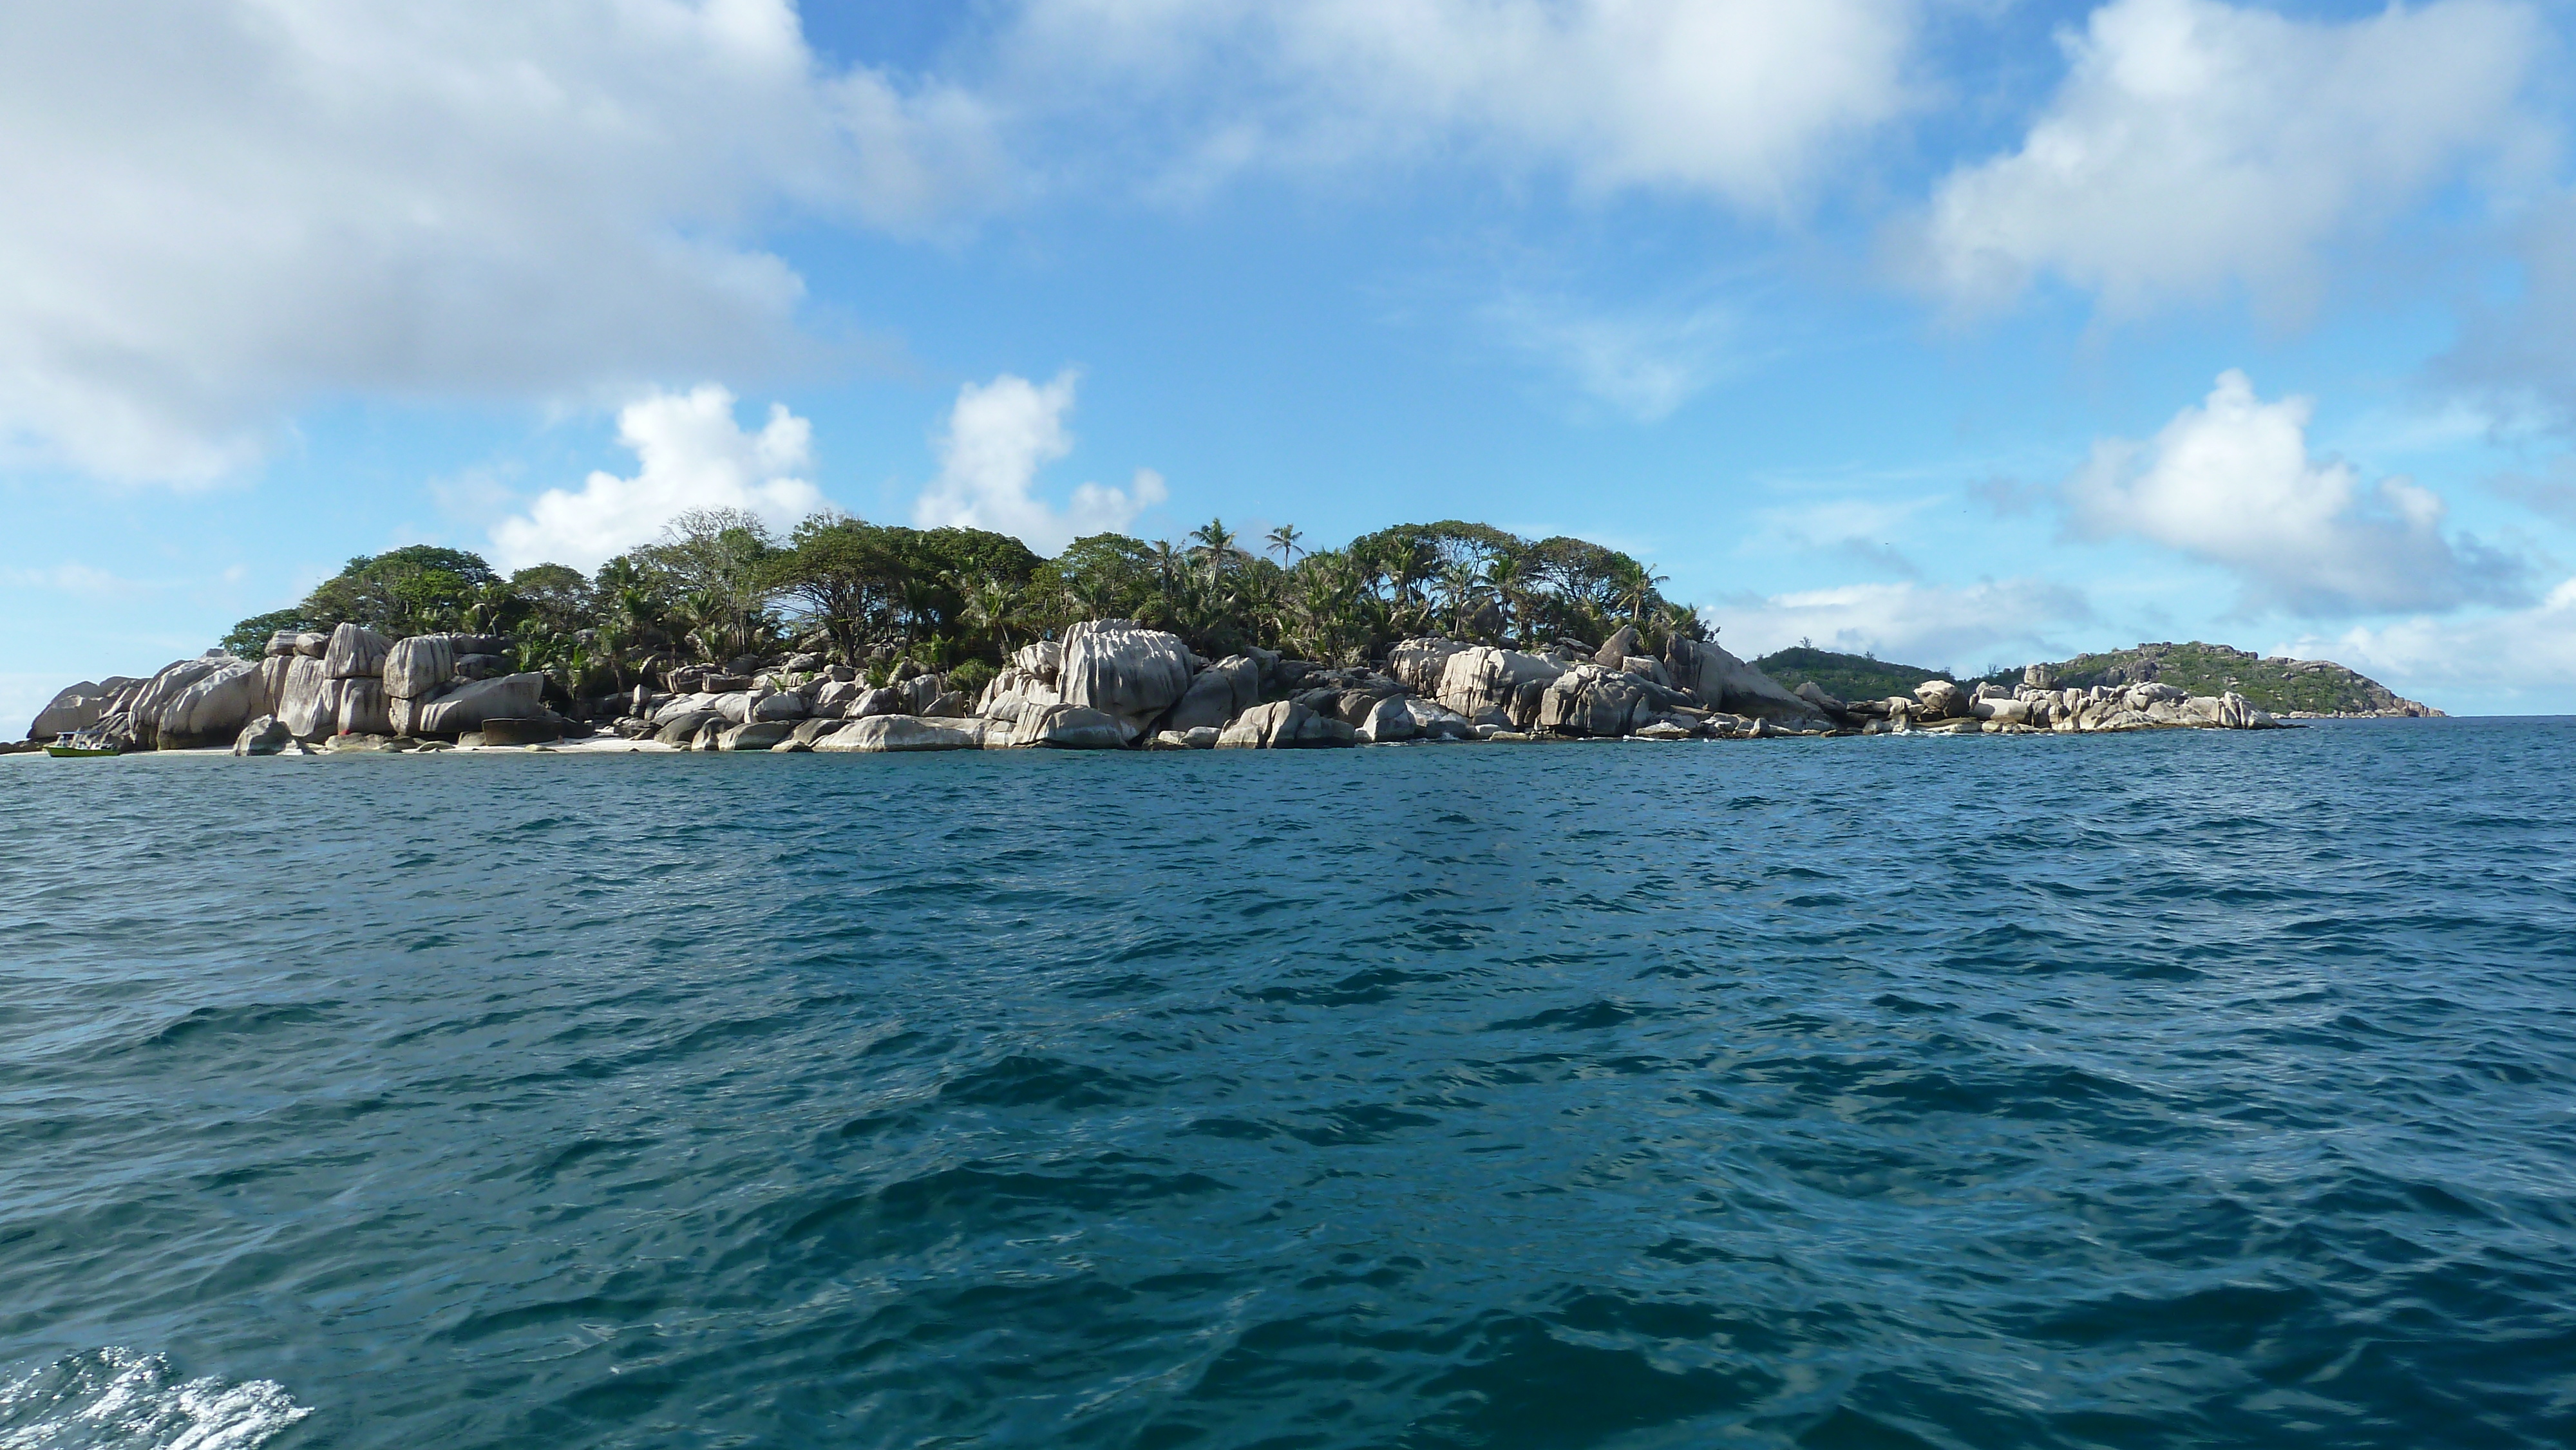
[[1742, 99], [1933, 626], [2230, 481], [2513, 659], [222, 209], [999, 436], [2195, 145], [693, 456]]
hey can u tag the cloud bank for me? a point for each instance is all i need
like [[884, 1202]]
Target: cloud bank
[[222, 210], [2231, 482], [2195, 145], [999, 435], [2008, 621], [693, 456], [1739, 99]]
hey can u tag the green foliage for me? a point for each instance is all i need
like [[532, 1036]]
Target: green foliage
[[970, 678], [719, 585], [418, 589], [249, 639], [1845, 677], [2277, 685]]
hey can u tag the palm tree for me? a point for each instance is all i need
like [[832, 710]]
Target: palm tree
[[1504, 574], [1284, 540], [1634, 583], [992, 606], [1216, 546]]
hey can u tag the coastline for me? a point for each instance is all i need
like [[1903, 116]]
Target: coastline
[[1107, 685]]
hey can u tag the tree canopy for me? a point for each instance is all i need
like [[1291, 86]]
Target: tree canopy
[[719, 586]]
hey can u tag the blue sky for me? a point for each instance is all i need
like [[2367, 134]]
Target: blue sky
[[1968, 333]]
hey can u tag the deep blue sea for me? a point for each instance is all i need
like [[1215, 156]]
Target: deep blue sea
[[2186, 1089]]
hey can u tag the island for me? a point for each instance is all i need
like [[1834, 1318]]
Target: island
[[847, 636]]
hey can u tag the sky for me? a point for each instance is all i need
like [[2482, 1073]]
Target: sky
[[1964, 332]]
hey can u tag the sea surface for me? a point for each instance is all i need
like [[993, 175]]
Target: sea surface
[[2186, 1089]]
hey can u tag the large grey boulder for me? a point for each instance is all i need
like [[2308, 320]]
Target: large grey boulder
[[1613, 654], [1015, 690], [361, 707], [1389, 720], [1284, 725], [512, 697], [1483, 683], [356, 652], [890, 734], [782, 706], [537, 730], [266, 735], [73, 709], [281, 645], [1588, 700], [1217, 694], [681, 706], [1814, 694], [1125, 671], [312, 644], [309, 703], [1941, 700], [213, 706], [682, 728], [1720, 681], [1419, 663], [416, 668], [758, 735], [1060, 727], [891, 700]]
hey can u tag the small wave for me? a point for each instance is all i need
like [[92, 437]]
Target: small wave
[[117, 1399]]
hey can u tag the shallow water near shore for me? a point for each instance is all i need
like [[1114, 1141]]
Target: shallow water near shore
[[2197, 1088]]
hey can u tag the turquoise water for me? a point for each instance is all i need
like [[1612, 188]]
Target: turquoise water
[[2201, 1089]]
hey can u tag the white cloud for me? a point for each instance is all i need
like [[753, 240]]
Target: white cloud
[[2520, 659], [1742, 99], [1861, 530], [220, 210], [999, 435], [75, 579], [2004, 621], [694, 456], [2231, 482], [1643, 364], [2196, 144]]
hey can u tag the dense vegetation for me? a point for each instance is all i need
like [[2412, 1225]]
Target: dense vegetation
[[1845, 677], [2275, 684], [720, 586]]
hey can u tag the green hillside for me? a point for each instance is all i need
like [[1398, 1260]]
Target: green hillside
[[1845, 677], [2277, 684]]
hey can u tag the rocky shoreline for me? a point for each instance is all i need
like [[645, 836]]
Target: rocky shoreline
[[1106, 685]]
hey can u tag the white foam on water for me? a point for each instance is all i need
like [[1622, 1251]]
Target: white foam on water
[[117, 1399]]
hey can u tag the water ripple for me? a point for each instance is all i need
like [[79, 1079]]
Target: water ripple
[[2179, 1090]]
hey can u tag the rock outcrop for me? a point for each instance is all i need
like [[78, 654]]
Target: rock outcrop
[[1284, 725], [468, 705], [1123, 670], [1723, 682], [896, 733], [1495, 686]]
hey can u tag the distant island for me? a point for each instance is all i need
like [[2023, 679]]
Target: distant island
[[2294, 689], [851, 636]]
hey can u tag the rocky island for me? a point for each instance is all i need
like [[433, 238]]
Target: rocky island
[[852, 637]]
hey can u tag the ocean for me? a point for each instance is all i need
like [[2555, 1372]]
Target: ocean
[[2184, 1089]]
